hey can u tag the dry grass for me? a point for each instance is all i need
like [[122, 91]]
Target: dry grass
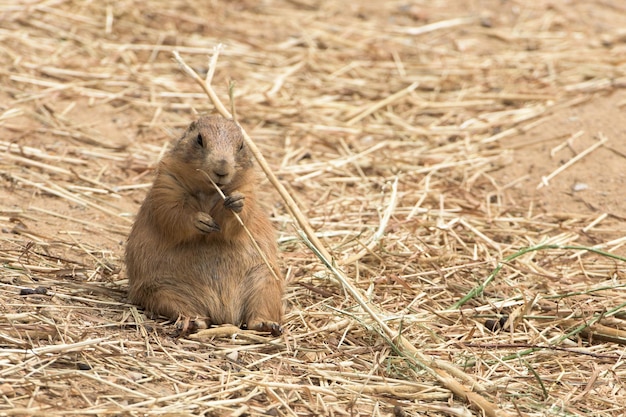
[[388, 124]]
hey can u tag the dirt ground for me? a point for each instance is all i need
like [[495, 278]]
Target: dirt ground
[[591, 186], [501, 121]]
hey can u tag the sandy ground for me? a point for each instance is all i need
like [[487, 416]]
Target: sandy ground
[[513, 133]]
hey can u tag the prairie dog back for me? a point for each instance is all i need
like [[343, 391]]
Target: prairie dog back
[[187, 256]]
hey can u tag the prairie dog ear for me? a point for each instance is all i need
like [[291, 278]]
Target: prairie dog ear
[[193, 125]]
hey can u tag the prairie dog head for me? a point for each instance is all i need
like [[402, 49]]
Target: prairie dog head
[[216, 146]]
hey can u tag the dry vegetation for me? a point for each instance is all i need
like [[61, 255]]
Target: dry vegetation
[[396, 127]]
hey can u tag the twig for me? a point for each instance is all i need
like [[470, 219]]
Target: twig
[[212, 63], [443, 24], [289, 201], [536, 347], [546, 179], [238, 217], [62, 193], [479, 289], [382, 103], [438, 369], [381, 228]]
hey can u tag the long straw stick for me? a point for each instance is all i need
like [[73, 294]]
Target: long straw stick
[[546, 179], [440, 370], [238, 217]]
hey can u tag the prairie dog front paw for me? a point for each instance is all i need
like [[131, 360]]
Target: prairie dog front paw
[[205, 223], [234, 202]]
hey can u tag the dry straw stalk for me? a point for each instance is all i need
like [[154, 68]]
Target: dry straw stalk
[[411, 136], [438, 369]]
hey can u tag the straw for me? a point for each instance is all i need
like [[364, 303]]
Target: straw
[[425, 272]]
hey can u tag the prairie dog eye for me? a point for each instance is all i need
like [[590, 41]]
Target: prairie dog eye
[[241, 147], [199, 140]]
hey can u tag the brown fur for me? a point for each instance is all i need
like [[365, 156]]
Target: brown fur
[[187, 255]]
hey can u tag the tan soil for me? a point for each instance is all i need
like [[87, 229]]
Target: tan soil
[[105, 103]]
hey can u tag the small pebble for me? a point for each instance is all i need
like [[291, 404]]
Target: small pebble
[[495, 325], [399, 411], [7, 389], [30, 291], [83, 366]]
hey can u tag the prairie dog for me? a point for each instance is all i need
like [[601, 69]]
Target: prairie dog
[[187, 256]]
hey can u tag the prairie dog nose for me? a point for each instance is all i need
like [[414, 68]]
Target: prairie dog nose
[[221, 168]]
